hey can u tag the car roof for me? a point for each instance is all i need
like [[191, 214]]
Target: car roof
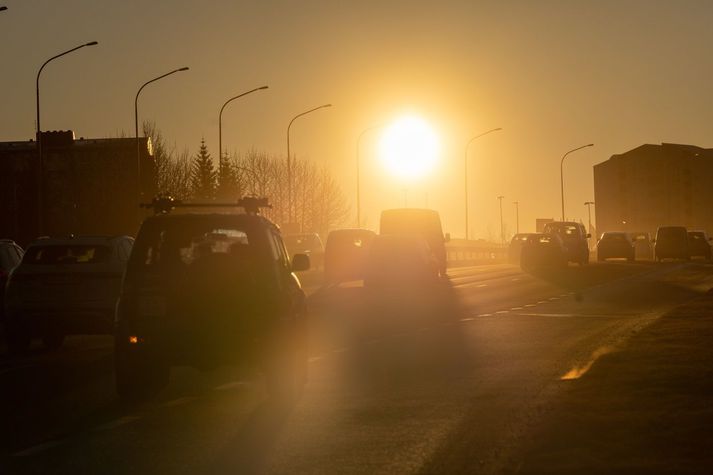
[[244, 219], [63, 240]]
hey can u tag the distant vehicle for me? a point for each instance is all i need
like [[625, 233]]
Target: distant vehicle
[[206, 290], [542, 251], [346, 253], [65, 286], [309, 244], [671, 243], [574, 237], [699, 244], [615, 245], [425, 223], [516, 244], [10, 257], [400, 264], [643, 247]]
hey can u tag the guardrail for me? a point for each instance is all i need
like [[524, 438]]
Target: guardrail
[[465, 253]]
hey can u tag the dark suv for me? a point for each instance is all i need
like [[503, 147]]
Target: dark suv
[[210, 289], [574, 237]]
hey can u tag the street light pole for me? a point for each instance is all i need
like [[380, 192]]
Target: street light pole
[[3, 8], [502, 227], [40, 183], [562, 172], [517, 216], [136, 124], [220, 123], [465, 174], [358, 171], [289, 164], [589, 204]]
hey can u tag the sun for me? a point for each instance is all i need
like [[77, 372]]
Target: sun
[[409, 148]]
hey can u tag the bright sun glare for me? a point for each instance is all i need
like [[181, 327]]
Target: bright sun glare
[[409, 148]]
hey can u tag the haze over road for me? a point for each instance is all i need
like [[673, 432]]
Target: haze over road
[[451, 391]]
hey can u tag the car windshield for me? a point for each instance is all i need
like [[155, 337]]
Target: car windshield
[[66, 254], [567, 231]]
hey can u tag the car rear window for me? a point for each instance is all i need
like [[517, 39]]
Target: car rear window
[[66, 254]]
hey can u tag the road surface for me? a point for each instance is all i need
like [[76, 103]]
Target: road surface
[[451, 384]]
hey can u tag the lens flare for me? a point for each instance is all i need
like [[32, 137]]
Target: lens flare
[[409, 148]]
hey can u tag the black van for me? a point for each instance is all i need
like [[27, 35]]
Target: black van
[[671, 243]]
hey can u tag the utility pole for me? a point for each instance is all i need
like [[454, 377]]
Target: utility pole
[[589, 204], [502, 228]]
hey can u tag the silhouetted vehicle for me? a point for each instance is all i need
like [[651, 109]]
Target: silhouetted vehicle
[[643, 247], [699, 244], [615, 245], [400, 265], [309, 244], [206, 290], [346, 253], [516, 244], [65, 286], [574, 237], [10, 257], [542, 251], [424, 223], [671, 243]]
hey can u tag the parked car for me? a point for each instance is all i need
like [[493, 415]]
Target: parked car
[[517, 242], [574, 237], [309, 244], [207, 290], [643, 247], [345, 254], [423, 223], [671, 243], [699, 244], [401, 265], [65, 286], [543, 251], [615, 245], [10, 257]]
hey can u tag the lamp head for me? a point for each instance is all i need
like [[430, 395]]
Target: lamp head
[[92, 43]]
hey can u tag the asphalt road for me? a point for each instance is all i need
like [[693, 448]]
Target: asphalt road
[[442, 382]]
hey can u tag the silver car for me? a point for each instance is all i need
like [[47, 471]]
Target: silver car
[[65, 286]]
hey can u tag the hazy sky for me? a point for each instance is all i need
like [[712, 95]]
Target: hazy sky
[[553, 74]]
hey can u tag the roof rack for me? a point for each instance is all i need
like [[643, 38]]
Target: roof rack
[[166, 204]]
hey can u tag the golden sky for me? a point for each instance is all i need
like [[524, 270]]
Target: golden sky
[[553, 74]]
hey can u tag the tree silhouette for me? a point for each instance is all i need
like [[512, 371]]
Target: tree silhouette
[[203, 175]]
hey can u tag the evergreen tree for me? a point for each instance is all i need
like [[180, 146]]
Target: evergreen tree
[[203, 175], [228, 187]]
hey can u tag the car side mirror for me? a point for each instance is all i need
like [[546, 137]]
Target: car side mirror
[[300, 262], [447, 237]]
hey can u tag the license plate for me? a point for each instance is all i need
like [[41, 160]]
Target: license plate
[[152, 306]]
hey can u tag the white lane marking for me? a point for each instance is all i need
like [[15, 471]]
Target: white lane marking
[[515, 279], [554, 298], [179, 401], [516, 308], [564, 295], [562, 315], [314, 359], [469, 319], [485, 315], [542, 301], [38, 448], [480, 286], [117, 423], [531, 305], [500, 312], [231, 385]]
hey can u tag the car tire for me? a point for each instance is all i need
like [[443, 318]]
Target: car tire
[[138, 376], [18, 337], [52, 340]]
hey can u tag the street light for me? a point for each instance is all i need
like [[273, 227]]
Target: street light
[[562, 172], [136, 124], [517, 216], [3, 8], [466, 174], [220, 123], [358, 170], [502, 228], [40, 191], [289, 164]]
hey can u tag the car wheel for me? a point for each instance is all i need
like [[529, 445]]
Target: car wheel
[[138, 376], [18, 337], [52, 340]]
